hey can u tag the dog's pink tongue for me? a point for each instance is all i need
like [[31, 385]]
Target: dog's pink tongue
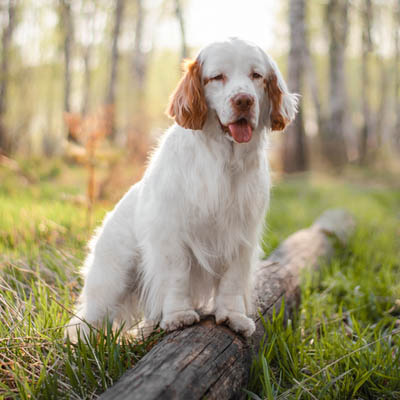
[[241, 131]]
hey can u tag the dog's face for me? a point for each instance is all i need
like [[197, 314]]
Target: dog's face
[[239, 85], [233, 78]]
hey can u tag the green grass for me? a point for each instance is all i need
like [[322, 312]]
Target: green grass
[[341, 343], [43, 232], [38, 208]]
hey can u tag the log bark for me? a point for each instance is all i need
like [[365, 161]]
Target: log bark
[[210, 361]]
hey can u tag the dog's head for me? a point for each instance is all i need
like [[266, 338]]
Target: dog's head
[[236, 83]]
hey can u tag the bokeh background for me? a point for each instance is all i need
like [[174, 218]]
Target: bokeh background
[[83, 89], [69, 66]]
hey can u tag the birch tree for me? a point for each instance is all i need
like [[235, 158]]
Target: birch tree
[[112, 82], [312, 80], [139, 61], [87, 19], [181, 21], [294, 154], [67, 26], [366, 45], [6, 38], [385, 79], [397, 73], [333, 136]]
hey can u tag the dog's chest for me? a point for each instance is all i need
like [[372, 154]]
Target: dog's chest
[[230, 199], [227, 215]]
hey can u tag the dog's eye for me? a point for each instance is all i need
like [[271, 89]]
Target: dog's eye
[[219, 77], [256, 75]]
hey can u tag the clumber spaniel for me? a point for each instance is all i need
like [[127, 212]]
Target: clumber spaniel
[[185, 237]]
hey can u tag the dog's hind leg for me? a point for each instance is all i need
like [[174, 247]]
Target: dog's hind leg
[[109, 272]]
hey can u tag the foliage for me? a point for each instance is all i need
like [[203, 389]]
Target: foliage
[[33, 118]]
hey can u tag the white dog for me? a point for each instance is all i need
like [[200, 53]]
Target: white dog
[[186, 235]]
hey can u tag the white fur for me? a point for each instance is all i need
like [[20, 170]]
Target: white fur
[[185, 237]]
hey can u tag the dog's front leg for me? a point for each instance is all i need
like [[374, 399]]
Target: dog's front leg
[[178, 309], [173, 281], [234, 295]]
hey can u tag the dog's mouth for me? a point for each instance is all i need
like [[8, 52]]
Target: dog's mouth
[[240, 130]]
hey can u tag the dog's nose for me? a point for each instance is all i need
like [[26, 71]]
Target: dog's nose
[[242, 102]]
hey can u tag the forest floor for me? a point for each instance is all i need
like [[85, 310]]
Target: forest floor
[[342, 343]]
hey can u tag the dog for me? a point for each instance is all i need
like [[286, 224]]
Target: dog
[[185, 238]]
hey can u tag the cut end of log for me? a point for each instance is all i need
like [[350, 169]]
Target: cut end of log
[[336, 222]]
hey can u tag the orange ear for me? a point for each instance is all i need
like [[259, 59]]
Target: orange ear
[[278, 121], [188, 103]]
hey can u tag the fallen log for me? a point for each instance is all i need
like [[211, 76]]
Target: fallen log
[[210, 361]]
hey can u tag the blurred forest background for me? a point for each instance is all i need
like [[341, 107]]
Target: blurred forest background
[[88, 80], [83, 89]]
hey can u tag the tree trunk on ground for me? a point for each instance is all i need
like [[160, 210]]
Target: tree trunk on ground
[[333, 136], [181, 21], [209, 361], [110, 96], [4, 74], [66, 20], [366, 44], [294, 151]]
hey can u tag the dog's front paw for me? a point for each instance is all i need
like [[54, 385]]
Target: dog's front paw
[[179, 319], [238, 322], [75, 329]]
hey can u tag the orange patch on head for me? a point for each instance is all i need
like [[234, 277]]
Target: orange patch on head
[[187, 103], [278, 121]]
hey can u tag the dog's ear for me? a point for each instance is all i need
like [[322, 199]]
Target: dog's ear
[[188, 103], [282, 104]]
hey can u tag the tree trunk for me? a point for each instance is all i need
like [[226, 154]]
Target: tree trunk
[[87, 77], [333, 137], [366, 43], [139, 122], [112, 82], [139, 62], [381, 125], [397, 75], [311, 76], [88, 14], [294, 152], [179, 16], [212, 362], [5, 142], [66, 20]]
